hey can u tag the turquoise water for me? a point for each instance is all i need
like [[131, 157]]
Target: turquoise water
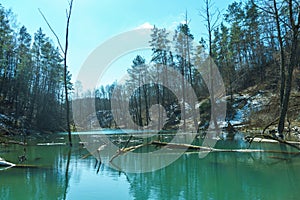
[[63, 174]]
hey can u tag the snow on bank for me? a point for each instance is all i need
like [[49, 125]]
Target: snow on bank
[[4, 121], [245, 104]]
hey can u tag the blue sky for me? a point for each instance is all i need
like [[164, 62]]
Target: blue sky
[[95, 21]]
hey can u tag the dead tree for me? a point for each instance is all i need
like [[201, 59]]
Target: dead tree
[[294, 20], [65, 53], [211, 18]]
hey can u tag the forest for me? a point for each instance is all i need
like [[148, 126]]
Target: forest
[[31, 84], [208, 109], [254, 44]]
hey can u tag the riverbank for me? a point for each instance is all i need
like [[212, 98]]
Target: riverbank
[[251, 111]]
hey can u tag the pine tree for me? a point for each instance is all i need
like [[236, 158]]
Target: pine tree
[[160, 44], [24, 75], [137, 74]]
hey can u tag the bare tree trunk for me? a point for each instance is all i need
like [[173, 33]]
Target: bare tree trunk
[[65, 53], [66, 74], [211, 78], [282, 58], [146, 104], [295, 27], [288, 84], [183, 95], [140, 118]]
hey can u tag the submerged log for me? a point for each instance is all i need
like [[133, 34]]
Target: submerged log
[[128, 149], [181, 146], [26, 166], [203, 148], [6, 165], [88, 155], [269, 138], [198, 149]]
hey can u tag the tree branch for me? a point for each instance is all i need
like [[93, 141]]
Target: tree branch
[[66, 71], [291, 14], [45, 19], [270, 12]]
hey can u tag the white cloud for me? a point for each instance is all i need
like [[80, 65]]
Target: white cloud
[[145, 25], [184, 22]]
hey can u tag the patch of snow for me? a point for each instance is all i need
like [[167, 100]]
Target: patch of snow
[[4, 117], [253, 103]]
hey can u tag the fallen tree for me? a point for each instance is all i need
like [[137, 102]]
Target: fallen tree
[[198, 149], [6, 165], [250, 139]]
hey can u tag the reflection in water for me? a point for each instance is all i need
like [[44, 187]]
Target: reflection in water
[[217, 177], [67, 175], [64, 175], [45, 182]]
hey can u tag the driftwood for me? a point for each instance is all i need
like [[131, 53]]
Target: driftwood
[[88, 154], [102, 147], [202, 148], [181, 146], [125, 150], [26, 166], [13, 142], [250, 139], [7, 165], [4, 163], [198, 149], [21, 166], [239, 124], [279, 158]]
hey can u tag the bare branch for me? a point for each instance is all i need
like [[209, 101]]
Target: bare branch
[[67, 27], [261, 8], [60, 46], [45, 19], [214, 25], [65, 52], [66, 69], [70, 3], [291, 14], [272, 13]]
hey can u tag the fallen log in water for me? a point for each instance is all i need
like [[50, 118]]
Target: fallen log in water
[[128, 149], [2, 167], [52, 144], [259, 139], [202, 148], [181, 146], [6, 165], [88, 155], [271, 139], [198, 149], [26, 166]]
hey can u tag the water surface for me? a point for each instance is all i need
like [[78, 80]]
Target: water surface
[[63, 174]]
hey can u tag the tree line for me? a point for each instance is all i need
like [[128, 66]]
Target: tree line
[[31, 77], [255, 42], [252, 43]]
